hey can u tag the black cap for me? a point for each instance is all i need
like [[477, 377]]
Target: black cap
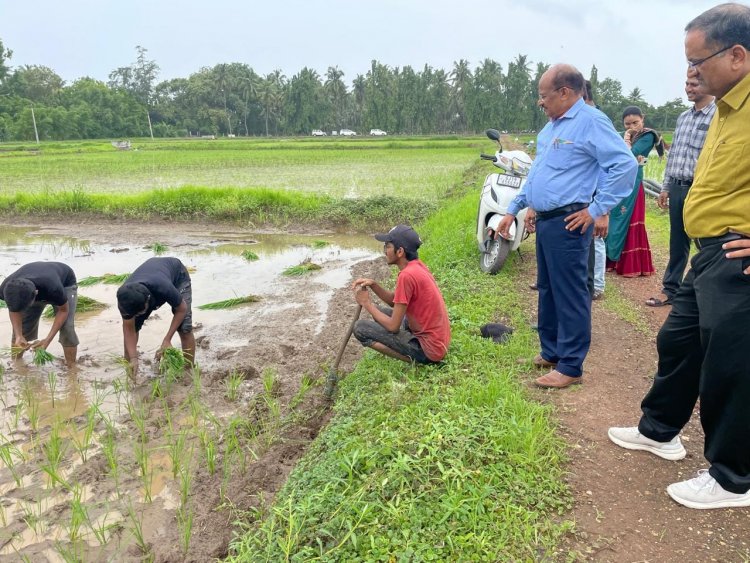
[[402, 236]]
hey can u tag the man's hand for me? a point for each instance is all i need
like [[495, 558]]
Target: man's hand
[[580, 219], [41, 344], [503, 228], [362, 282], [529, 222], [362, 296], [601, 226], [663, 200], [160, 352], [21, 343], [739, 249]]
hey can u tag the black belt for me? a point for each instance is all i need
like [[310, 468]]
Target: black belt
[[701, 243], [681, 183], [564, 210]]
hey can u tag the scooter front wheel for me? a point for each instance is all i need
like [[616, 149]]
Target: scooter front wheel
[[491, 262]]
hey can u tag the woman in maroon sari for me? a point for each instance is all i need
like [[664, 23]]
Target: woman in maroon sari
[[628, 251]]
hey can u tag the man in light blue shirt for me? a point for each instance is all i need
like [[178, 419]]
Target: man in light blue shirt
[[577, 145]]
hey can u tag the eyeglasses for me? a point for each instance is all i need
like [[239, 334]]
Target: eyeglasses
[[545, 96], [695, 64]]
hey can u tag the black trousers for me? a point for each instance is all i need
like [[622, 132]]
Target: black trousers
[[679, 242], [703, 353]]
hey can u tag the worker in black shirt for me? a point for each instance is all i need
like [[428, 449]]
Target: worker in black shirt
[[27, 291], [153, 283]]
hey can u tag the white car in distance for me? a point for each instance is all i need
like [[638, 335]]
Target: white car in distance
[[318, 133], [377, 132], [348, 133]]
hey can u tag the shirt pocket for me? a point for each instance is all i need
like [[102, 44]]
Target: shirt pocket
[[725, 162], [561, 156]]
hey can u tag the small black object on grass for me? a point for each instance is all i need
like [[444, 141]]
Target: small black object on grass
[[498, 332]]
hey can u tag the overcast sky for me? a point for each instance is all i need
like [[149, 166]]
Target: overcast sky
[[639, 42]]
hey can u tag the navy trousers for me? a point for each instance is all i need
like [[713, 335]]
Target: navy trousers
[[564, 300]]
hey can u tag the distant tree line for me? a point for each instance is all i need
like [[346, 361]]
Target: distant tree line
[[232, 99]]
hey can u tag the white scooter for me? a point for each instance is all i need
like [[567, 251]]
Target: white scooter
[[497, 194]]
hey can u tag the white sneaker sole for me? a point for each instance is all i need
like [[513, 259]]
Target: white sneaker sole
[[726, 503], [671, 456]]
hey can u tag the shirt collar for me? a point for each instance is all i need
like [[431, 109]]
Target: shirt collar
[[573, 110], [738, 95], [705, 109]]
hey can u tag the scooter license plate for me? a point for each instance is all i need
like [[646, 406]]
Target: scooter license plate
[[508, 180]]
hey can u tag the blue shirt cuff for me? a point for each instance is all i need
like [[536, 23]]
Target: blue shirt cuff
[[513, 209]]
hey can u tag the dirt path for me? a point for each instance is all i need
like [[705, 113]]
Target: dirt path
[[621, 509]]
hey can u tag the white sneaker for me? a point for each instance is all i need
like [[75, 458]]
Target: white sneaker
[[704, 492], [631, 439]]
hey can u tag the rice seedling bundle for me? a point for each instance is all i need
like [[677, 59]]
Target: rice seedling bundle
[[301, 269], [228, 303], [106, 278], [85, 304], [41, 357], [172, 361], [250, 256]]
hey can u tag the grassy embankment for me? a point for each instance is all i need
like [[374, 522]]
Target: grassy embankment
[[347, 183], [431, 463]]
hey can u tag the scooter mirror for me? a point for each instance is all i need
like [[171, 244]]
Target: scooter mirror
[[493, 134]]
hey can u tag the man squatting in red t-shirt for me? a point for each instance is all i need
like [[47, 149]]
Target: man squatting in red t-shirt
[[414, 327]]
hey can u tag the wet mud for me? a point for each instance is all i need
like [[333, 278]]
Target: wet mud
[[96, 466]]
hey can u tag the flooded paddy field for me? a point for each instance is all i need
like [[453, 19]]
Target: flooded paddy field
[[96, 466]]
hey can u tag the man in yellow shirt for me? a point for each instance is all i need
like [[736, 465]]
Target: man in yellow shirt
[[704, 342]]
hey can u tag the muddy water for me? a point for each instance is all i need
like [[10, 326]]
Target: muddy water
[[34, 399]]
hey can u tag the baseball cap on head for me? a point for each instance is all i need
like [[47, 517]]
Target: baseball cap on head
[[402, 236]]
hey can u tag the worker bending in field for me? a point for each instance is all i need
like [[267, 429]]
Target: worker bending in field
[[27, 291], [153, 283]]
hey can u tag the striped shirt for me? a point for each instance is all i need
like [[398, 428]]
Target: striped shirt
[[689, 137]]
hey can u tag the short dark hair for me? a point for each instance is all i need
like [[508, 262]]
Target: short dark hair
[[724, 25], [132, 299], [588, 93], [631, 110], [568, 77], [411, 254], [19, 294]]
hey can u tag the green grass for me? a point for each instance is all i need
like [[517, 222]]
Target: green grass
[[261, 206], [357, 183], [432, 463], [228, 303], [413, 167], [84, 305]]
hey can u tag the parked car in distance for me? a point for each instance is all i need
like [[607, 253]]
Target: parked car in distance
[[347, 133], [318, 133], [377, 132]]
